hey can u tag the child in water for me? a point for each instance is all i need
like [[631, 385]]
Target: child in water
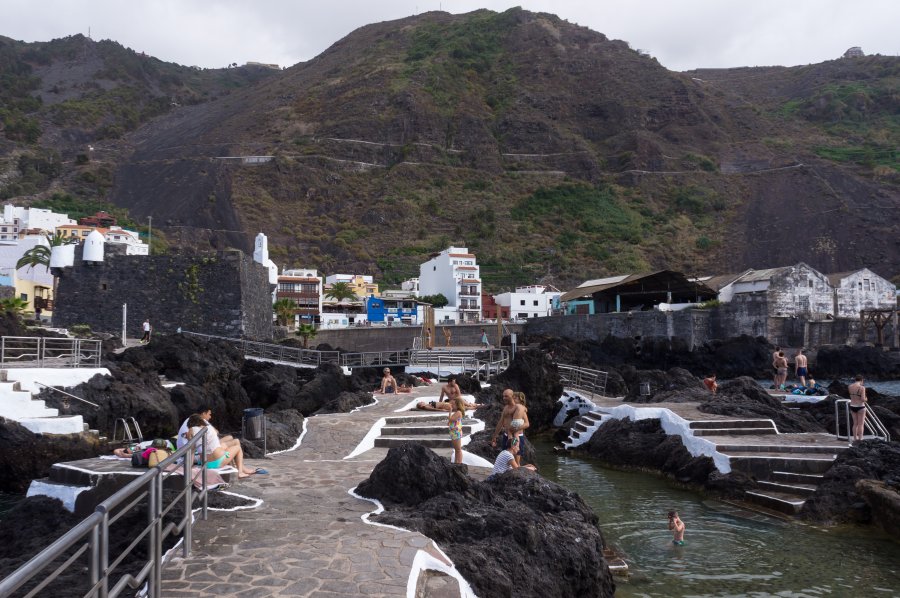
[[677, 526]]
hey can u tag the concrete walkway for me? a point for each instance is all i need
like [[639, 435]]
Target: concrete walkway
[[307, 538]]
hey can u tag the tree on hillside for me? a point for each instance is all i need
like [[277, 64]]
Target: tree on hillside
[[306, 332], [340, 291], [438, 300], [284, 311]]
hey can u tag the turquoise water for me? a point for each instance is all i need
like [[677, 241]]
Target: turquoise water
[[887, 387], [728, 552]]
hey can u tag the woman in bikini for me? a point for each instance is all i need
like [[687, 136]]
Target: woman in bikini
[[858, 403], [454, 425]]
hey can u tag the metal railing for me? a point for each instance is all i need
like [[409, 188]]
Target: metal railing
[[872, 424], [496, 360], [67, 394], [578, 378], [45, 352], [86, 546]]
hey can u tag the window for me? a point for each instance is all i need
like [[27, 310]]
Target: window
[[860, 285], [535, 302], [866, 284], [534, 316], [810, 283], [434, 268], [521, 302], [24, 296], [521, 315]]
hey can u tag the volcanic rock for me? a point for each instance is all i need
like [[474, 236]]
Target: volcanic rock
[[838, 499], [283, 428], [744, 398], [846, 361], [516, 535]]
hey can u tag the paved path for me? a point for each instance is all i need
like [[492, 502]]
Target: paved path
[[307, 538]]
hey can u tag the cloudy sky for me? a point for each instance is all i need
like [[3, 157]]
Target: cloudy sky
[[681, 34]]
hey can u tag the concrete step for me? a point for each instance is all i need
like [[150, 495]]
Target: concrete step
[[418, 430], [54, 424], [761, 465], [735, 431], [434, 441], [574, 434], [808, 449], [719, 424], [803, 478], [782, 502], [788, 488], [413, 419], [593, 416], [581, 427]]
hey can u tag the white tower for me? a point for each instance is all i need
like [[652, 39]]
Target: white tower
[[93, 247]]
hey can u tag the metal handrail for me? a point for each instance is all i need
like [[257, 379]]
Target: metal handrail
[[498, 359], [47, 352], [871, 422], [68, 394], [92, 534], [588, 380]]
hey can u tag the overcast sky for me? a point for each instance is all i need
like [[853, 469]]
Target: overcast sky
[[681, 34]]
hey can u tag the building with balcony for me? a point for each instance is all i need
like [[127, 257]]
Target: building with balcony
[[392, 311], [411, 285], [99, 220], [535, 301], [454, 273], [303, 287], [37, 218], [363, 286]]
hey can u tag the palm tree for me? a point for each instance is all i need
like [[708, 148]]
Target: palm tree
[[340, 291], [306, 332], [14, 305], [39, 255], [284, 310]]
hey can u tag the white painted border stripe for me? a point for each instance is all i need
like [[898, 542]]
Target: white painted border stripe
[[368, 442], [299, 440]]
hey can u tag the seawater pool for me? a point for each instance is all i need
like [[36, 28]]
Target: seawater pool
[[728, 552]]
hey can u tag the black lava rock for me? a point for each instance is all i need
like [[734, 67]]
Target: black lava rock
[[744, 398]]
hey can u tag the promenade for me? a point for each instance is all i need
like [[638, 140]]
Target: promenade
[[307, 538]]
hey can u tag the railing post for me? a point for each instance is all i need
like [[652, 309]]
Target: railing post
[[188, 503], [95, 555], [154, 516], [103, 592], [203, 478]]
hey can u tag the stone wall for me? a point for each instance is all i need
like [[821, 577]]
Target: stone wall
[[691, 325], [224, 293], [401, 337]]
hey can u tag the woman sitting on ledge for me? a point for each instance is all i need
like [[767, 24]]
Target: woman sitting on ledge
[[216, 454]]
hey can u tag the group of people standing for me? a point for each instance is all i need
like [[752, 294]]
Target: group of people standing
[[780, 365]]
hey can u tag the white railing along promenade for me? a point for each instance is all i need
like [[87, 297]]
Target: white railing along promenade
[[47, 352]]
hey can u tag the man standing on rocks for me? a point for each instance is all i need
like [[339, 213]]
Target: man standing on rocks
[[781, 368], [146, 328], [775, 367], [506, 417], [801, 367]]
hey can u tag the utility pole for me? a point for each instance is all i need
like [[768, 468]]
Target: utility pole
[[149, 232]]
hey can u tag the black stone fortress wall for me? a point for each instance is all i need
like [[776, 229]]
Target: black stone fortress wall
[[224, 293]]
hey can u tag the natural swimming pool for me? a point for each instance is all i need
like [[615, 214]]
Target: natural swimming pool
[[728, 552]]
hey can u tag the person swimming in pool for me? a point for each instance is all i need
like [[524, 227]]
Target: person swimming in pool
[[677, 527]]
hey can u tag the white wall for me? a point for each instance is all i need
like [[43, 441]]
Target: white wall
[[863, 290]]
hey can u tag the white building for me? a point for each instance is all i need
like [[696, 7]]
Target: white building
[[411, 285], [37, 218], [535, 301], [859, 290], [129, 238], [454, 273]]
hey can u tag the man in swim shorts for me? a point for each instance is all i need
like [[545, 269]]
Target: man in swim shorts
[[800, 367], [677, 527], [506, 417]]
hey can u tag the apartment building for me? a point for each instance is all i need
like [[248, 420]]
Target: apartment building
[[454, 273]]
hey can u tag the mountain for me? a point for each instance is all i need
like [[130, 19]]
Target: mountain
[[552, 152]]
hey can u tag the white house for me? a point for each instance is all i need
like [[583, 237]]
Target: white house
[[38, 218], [129, 238], [789, 290], [411, 285], [859, 290], [454, 273], [535, 301]]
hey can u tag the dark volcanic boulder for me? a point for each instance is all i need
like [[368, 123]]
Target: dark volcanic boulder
[[674, 386], [744, 398], [25, 456], [644, 445], [410, 474], [845, 361], [838, 499], [516, 535], [346, 402], [282, 430]]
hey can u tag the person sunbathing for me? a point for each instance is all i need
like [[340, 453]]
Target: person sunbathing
[[443, 405]]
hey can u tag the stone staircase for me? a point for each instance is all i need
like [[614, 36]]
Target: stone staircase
[[583, 428], [20, 405], [786, 473], [787, 467], [426, 429]]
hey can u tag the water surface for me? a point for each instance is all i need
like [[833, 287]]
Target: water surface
[[728, 552]]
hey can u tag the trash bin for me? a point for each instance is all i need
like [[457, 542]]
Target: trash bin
[[253, 423]]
